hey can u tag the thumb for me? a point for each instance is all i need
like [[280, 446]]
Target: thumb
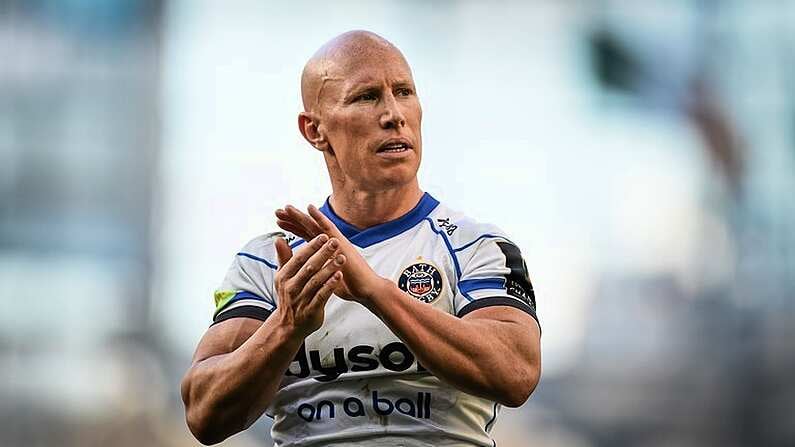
[[283, 251]]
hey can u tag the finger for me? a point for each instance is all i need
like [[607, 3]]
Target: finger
[[283, 251], [292, 228], [315, 263], [299, 258], [304, 220], [318, 279], [283, 217], [286, 214], [324, 293], [291, 213]]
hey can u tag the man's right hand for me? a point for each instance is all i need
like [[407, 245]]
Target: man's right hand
[[243, 360], [305, 282]]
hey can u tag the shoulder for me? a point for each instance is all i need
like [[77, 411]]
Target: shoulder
[[262, 249], [462, 231]]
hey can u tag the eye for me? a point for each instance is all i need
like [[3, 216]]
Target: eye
[[404, 91], [366, 96]]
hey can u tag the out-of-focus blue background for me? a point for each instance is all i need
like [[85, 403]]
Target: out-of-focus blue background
[[641, 153]]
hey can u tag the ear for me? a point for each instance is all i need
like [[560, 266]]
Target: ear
[[309, 127]]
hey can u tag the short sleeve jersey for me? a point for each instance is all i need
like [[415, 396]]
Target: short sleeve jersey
[[354, 382]]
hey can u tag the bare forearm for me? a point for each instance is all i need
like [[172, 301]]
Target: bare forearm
[[493, 359], [491, 355], [225, 394]]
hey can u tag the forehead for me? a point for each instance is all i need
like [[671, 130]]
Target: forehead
[[352, 71]]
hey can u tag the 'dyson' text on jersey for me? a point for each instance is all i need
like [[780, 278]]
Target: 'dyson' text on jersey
[[394, 356]]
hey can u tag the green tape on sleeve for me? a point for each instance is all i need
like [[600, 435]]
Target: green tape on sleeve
[[222, 297]]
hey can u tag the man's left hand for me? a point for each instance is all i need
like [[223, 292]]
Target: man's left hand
[[359, 282]]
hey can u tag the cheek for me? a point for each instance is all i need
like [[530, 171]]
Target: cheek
[[417, 120], [346, 135], [349, 131], [414, 113]]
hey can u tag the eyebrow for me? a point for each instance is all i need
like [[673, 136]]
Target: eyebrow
[[373, 85], [361, 88], [404, 84]]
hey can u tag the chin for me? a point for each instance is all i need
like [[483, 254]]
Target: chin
[[395, 177]]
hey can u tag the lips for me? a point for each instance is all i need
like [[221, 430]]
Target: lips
[[394, 145]]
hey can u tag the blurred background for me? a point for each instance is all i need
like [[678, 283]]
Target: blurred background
[[642, 154]]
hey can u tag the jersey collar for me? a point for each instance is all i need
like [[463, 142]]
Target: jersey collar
[[381, 232]]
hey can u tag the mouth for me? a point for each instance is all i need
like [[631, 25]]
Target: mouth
[[394, 146]]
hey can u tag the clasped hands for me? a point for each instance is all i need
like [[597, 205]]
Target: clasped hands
[[327, 263]]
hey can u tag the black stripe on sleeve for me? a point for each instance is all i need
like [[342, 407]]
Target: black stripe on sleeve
[[256, 312], [499, 301], [517, 282]]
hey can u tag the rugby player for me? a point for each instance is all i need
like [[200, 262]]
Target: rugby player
[[381, 318]]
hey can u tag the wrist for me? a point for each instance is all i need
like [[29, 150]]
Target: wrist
[[286, 324], [378, 291]]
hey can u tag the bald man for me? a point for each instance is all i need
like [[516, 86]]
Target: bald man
[[382, 318]]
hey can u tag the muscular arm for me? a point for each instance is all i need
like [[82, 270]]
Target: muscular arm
[[492, 352], [236, 371], [240, 362]]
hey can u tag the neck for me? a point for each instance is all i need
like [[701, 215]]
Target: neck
[[364, 209]]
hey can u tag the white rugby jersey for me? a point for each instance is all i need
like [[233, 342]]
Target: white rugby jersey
[[353, 382]]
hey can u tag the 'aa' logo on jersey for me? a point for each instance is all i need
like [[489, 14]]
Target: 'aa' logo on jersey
[[422, 281]]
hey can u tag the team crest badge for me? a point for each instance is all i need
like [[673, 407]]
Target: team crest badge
[[421, 280]]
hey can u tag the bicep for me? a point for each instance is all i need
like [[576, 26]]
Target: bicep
[[515, 349], [225, 336], [517, 330]]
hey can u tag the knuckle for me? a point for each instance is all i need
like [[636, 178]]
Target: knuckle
[[329, 283], [288, 286], [325, 291], [312, 284]]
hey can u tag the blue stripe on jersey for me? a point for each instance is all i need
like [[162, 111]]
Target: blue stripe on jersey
[[245, 295], [379, 233], [465, 246], [347, 230], [256, 258], [297, 243], [449, 248], [470, 285], [482, 236]]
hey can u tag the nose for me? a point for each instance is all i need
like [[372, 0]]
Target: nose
[[392, 117]]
